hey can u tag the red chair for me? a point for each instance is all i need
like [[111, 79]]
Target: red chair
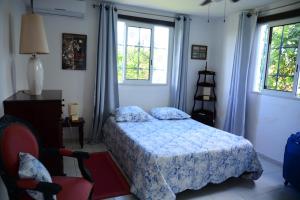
[[18, 138]]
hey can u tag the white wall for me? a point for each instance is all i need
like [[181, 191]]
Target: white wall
[[148, 97], [270, 120], [223, 56], [201, 33], [5, 67], [7, 10], [77, 86]]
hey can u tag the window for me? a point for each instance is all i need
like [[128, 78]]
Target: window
[[280, 58], [143, 53]]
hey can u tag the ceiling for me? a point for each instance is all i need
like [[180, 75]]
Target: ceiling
[[192, 6]]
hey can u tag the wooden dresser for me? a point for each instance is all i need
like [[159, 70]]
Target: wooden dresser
[[44, 113]]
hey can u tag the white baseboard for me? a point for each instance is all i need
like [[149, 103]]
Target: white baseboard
[[276, 162]]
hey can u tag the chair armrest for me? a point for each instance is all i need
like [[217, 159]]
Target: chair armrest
[[48, 189], [66, 152], [79, 155]]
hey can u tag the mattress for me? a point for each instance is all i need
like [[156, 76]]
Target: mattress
[[165, 157]]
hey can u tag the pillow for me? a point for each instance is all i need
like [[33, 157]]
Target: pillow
[[131, 114], [30, 167], [168, 113]]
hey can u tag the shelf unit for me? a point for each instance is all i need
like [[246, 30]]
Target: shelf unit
[[206, 111]]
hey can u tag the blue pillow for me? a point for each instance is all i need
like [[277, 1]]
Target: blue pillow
[[168, 113], [30, 167], [131, 114]]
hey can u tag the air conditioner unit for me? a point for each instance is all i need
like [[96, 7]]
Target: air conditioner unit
[[69, 8]]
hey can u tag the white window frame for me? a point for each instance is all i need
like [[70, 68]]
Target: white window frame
[[263, 90], [170, 53]]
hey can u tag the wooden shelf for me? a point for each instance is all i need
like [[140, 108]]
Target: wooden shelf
[[201, 98], [207, 72], [203, 84], [202, 112]]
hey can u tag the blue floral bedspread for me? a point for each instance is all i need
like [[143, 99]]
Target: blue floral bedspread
[[165, 157]]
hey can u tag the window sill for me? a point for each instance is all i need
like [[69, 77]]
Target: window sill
[[278, 95]]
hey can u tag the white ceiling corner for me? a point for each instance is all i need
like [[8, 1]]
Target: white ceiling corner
[[193, 7]]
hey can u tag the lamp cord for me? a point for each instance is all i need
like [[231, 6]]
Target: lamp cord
[[224, 11], [31, 4]]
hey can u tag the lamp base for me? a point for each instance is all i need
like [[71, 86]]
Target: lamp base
[[35, 75]]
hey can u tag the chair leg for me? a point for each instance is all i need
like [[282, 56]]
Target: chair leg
[[91, 194], [286, 183]]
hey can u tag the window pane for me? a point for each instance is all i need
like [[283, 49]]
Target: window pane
[[288, 61], [285, 83], [133, 36], [121, 60], [160, 54], [121, 33], [273, 63], [276, 36], [131, 74], [160, 59], [271, 82], [132, 57], [145, 37], [161, 37], [291, 35], [159, 76], [143, 74], [144, 58]]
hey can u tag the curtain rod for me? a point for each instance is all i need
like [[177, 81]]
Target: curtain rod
[[95, 5]]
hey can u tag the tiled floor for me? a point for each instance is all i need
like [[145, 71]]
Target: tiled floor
[[268, 187]]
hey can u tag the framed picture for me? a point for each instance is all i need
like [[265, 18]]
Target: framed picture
[[199, 52], [74, 51]]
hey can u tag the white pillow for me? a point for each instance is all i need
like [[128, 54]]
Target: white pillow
[[165, 113], [30, 167], [131, 114]]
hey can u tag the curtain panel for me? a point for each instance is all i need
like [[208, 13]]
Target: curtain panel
[[178, 95], [106, 97], [236, 108]]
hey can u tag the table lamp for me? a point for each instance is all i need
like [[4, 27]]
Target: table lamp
[[33, 41]]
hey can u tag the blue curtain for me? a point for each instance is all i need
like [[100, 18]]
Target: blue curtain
[[106, 97], [178, 94], [236, 109]]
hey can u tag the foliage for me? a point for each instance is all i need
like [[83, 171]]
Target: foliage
[[283, 57]]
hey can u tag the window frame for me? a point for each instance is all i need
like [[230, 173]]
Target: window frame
[[130, 23], [263, 90]]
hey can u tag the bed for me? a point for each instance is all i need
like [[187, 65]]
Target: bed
[[165, 157]]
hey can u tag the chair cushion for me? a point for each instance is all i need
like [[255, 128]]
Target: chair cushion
[[30, 167], [73, 188]]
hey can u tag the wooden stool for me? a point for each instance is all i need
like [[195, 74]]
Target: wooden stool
[[80, 123]]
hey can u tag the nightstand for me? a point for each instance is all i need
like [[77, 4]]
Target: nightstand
[[79, 124]]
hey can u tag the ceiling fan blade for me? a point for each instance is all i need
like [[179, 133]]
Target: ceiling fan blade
[[206, 2], [234, 1]]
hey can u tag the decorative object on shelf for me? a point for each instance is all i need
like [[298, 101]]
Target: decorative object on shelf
[[73, 111], [199, 52], [33, 41], [74, 51], [206, 96]]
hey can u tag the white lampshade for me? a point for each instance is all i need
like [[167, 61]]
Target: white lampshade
[[33, 38]]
